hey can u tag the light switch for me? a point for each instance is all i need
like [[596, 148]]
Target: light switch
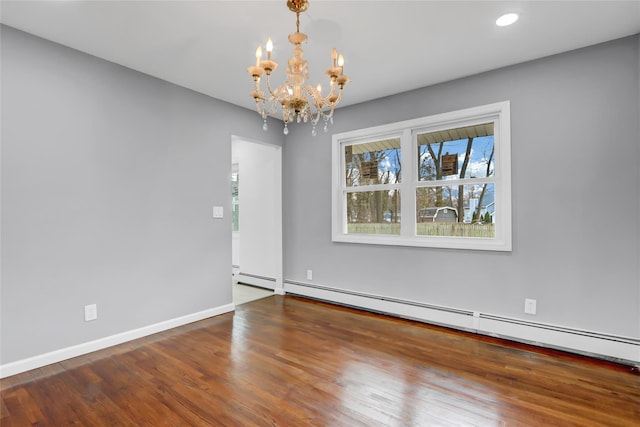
[[218, 212], [90, 312]]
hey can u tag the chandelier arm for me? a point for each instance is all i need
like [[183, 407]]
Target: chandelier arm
[[331, 94], [281, 95], [265, 108], [310, 91], [268, 85], [321, 103], [339, 97], [315, 120]]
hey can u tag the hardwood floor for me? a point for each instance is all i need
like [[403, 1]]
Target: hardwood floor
[[243, 294], [287, 361]]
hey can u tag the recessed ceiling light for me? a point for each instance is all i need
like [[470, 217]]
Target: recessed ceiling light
[[507, 19]]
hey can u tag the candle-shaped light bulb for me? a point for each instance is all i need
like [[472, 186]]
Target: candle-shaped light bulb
[[319, 88], [258, 55], [340, 61], [269, 48], [334, 55]]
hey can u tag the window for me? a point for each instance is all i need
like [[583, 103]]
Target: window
[[439, 181], [372, 186], [235, 199]]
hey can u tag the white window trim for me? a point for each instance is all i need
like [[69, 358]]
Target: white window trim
[[498, 112]]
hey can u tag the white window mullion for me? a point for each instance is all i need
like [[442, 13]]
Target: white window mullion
[[407, 191], [338, 211]]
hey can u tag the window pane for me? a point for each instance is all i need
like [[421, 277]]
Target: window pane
[[235, 202], [235, 217], [440, 212], [456, 153], [373, 212], [376, 162]]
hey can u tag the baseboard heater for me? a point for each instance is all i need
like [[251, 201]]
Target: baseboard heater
[[614, 348], [257, 280]]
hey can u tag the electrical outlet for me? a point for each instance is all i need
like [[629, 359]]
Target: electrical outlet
[[309, 275], [530, 306], [90, 312]]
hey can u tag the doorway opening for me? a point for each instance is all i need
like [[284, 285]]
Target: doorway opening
[[256, 192]]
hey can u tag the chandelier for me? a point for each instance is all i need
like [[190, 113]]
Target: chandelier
[[298, 101]]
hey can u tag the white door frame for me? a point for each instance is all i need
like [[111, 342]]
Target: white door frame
[[276, 244]]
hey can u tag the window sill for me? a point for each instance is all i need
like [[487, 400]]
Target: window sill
[[427, 242]]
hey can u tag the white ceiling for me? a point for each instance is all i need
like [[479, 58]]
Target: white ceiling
[[389, 46]]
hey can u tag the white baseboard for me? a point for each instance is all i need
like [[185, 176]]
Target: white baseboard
[[605, 346], [38, 361], [256, 280], [621, 349]]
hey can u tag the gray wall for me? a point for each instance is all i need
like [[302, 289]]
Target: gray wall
[[576, 198], [108, 181], [109, 176]]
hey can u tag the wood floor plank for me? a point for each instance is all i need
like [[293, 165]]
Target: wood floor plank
[[288, 361]]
